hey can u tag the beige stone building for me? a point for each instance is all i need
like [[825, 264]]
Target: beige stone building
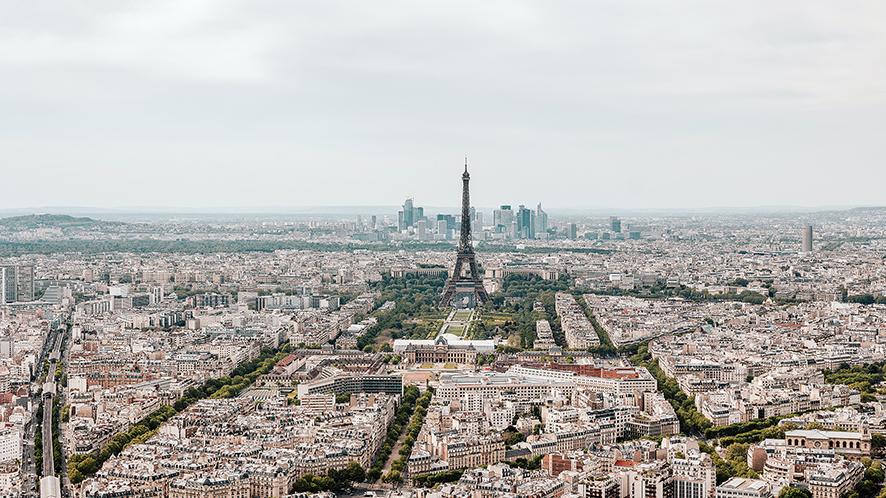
[[852, 444]]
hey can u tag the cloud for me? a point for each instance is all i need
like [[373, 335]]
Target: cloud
[[635, 104]]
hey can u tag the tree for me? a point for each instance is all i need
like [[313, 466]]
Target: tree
[[355, 472], [75, 476], [393, 476], [865, 488], [789, 492], [326, 483], [878, 441], [373, 474], [875, 473], [778, 431], [88, 465]]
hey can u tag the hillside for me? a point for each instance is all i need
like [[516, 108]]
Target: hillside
[[33, 221]]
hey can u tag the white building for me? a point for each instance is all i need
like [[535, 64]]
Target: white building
[[10, 443], [741, 487], [492, 385]]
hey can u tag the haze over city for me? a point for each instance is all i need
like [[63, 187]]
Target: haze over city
[[442, 250], [576, 105]]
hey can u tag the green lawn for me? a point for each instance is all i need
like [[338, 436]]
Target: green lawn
[[497, 318], [434, 316], [455, 330], [450, 366], [427, 365], [462, 316]]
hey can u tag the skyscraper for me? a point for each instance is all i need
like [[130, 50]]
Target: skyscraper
[[448, 219], [572, 231], [18, 283], [409, 215], [503, 218], [525, 223], [807, 238], [442, 228], [478, 223], [615, 224], [541, 220], [465, 290]]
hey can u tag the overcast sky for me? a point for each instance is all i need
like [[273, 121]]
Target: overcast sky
[[585, 104]]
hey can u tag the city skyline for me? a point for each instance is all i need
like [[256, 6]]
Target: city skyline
[[112, 212], [680, 106], [233, 262]]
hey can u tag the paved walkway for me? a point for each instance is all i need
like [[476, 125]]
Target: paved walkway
[[450, 321], [395, 453]]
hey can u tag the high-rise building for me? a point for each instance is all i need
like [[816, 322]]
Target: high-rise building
[[421, 228], [525, 223], [478, 223], [503, 218], [615, 224], [9, 284], [25, 283], [409, 215], [442, 228], [18, 283], [541, 220], [572, 231], [448, 219], [807, 238]]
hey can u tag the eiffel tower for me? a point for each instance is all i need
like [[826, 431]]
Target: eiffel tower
[[465, 290]]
